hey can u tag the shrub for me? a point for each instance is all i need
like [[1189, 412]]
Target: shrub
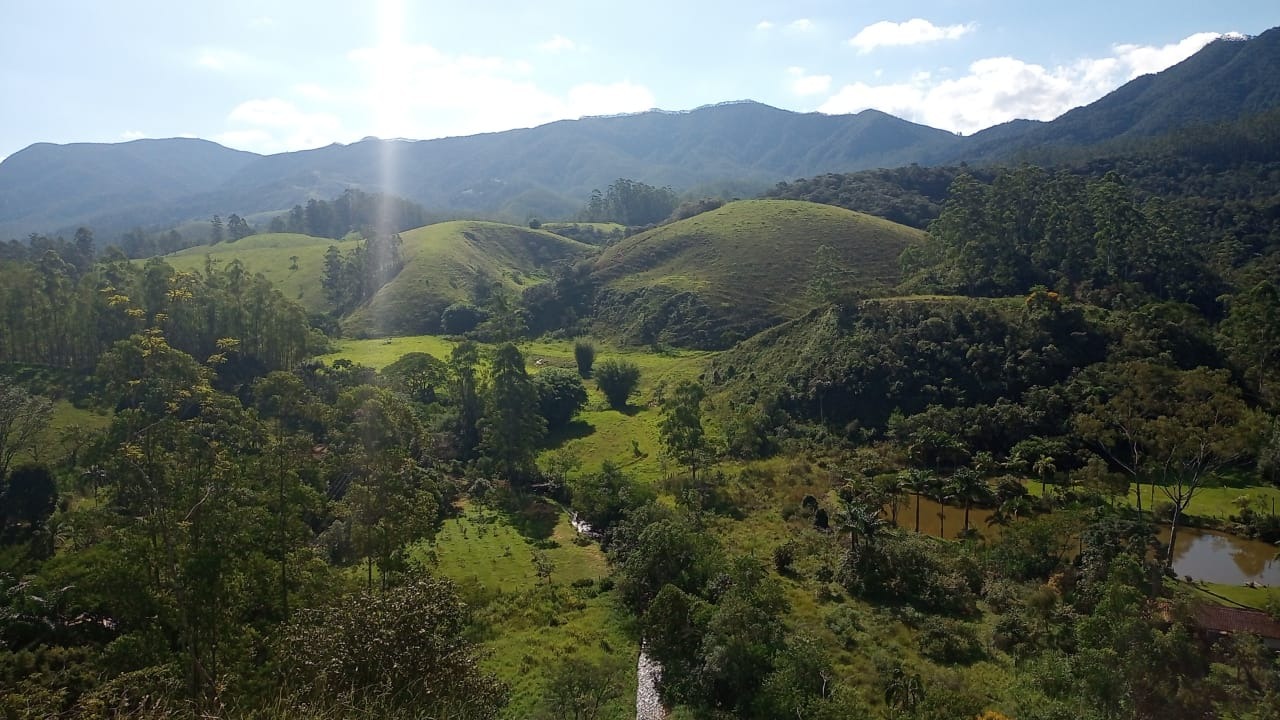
[[950, 642], [584, 354], [783, 556], [560, 396], [618, 380]]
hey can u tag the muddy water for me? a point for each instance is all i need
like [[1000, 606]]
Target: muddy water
[[1201, 554], [941, 520], [1218, 557]]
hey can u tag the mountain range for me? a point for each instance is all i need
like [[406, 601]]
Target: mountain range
[[737, 148]]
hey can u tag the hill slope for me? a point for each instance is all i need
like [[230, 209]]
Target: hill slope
[[448, 262], [729, 273], [272, 255]]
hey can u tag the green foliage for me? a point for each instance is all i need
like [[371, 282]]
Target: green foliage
[[681, 425], [604, 498], [28, 496], [561, 395], [618, 380], [421, 376], [580, 688], [23, 418], [948, 641], [512, 426], [630, 203], [406, 648], [584, 355]]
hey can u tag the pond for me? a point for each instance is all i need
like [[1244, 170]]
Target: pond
[[1207, 555]]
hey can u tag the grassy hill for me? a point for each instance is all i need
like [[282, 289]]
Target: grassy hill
[[272, 255], [444, 264], [729, 273]]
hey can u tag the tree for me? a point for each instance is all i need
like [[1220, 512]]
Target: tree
[[969, 486], [618, 380], [28, 497], [466, 396], [581, 688], [407, 649], [215, 230], [512, 426], [604, 498], [1252, 332], [561, 395], [23, 417], [681, 425], [237, 227], [390, 506], [584, 354], [859, 519], [918, 482], [419, 375]]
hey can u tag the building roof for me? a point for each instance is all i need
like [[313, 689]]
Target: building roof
[[1237, 620]]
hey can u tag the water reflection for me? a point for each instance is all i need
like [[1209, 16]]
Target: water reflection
[[1201, 554], [1218, 557]]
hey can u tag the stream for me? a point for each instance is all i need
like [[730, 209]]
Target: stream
[[648, 671]]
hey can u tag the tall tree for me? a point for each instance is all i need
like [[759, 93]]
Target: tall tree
[[681, 425], [512, 426], [23, 417]]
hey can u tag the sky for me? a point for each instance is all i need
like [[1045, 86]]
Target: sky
[[271, 76]]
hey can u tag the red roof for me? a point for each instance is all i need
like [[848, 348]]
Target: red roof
[[1237, 620]]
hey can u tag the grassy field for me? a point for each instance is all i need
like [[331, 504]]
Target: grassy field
[[444, 262], [272, 254], [1219, 498], [532, 624], [759, 256], [629, 439]]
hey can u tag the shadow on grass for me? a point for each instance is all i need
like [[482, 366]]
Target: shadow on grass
[[575, 430]]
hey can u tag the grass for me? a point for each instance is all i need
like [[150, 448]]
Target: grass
[[1233, 595], [65, 416], [531, 624], [756, 257], [271, 255], [445, 262], [599, 433], [1219, 498]]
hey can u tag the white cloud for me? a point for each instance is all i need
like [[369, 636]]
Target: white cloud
[[804, 84], [223, 60], [801, 25], [764, 25], [276, 125], [558, 43], [999, 89], [132, 135], [915, 31]]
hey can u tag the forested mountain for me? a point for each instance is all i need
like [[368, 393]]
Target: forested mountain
[[1227, 79], [548, 171]]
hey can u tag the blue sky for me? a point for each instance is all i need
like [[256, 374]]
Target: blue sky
[[270, 76]]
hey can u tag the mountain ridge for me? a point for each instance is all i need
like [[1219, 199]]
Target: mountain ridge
[[733, 148]]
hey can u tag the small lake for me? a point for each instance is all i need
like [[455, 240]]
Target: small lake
[[1206, 555]]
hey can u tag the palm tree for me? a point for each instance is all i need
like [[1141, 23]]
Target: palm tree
[[942, 491], [1011, 509], [968, 486], [918, 482], [1044, 467], [858, 518], [893, 487]]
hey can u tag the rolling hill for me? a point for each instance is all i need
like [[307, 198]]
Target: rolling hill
[[272, 255], [448, 262], [717, 277]]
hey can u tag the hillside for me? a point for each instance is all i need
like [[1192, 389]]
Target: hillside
[[1227, 79], [272, 255], [447, 262], [48, 187], [729, 273]]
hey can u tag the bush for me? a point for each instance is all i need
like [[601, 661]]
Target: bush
[[783, 556], [618, 380], [949, 642], [461, 318], [584, 354], [560, 396]]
